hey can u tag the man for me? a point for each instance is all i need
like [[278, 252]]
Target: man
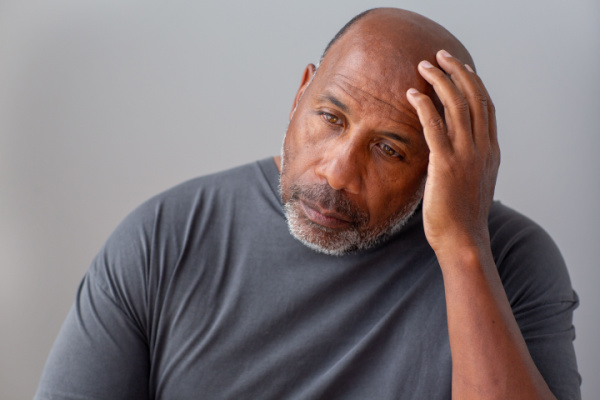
[[406, 280]]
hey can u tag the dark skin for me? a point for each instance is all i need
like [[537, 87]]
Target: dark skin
[[369, 125]]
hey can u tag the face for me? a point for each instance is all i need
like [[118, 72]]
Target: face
[[354, 156]]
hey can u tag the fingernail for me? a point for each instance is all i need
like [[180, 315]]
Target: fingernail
[[412, 91], [426, 64], [468, 67], [445, 54]]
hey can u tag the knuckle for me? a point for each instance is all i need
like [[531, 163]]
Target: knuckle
[[481, 98], [491, 158], [435, 122], [459, 103]]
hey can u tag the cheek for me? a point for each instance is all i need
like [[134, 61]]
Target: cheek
[[398, 178], [302, 145], [298, 153], [391, 192]]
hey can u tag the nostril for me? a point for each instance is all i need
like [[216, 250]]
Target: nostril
[[340, 173]]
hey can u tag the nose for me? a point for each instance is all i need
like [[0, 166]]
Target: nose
[[340, 165]]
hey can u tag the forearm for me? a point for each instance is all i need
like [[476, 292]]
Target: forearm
[[490, 359]]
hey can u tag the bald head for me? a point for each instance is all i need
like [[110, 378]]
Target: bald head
[[386, 45], [415, 27], [354, 135]]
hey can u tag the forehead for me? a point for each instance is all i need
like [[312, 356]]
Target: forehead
[[369, 80], [382, 50]]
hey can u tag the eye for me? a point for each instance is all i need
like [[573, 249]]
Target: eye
[[389, 151], [332, 119]]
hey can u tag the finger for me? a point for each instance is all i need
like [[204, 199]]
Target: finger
[[470, 88], [491, 144], [490, 106], [434, 128], [456, 107]]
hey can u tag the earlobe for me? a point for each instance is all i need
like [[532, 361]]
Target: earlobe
[[307, 76]]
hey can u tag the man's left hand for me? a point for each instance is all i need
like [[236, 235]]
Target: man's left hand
[[464, 154]]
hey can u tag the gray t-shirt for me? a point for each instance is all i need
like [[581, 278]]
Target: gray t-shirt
[[202, 293]]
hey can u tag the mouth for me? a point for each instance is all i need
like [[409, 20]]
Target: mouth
[[325, 218]]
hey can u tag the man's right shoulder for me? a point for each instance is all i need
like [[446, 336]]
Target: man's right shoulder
[[176, 202], [153, 237], [227, 180]]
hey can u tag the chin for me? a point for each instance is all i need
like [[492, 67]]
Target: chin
[[340, 242]]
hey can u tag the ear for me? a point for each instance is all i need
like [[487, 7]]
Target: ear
[[309, 71]]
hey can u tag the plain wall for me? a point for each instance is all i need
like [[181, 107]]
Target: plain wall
[[105, 103]]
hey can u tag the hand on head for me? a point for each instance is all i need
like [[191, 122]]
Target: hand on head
[[355, 128]]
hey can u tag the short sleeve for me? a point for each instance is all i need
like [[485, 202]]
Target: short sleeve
[[102, 351], [539, 290]]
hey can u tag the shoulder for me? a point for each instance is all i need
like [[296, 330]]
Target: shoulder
[[528, 260], [175, 205], [538, 288], [146, 246]]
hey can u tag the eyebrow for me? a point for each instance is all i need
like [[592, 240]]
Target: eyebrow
[[395, 136], [330, 98], [334, 100]]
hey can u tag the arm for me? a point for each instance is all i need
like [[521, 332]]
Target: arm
[[489, 356], [101, 351]]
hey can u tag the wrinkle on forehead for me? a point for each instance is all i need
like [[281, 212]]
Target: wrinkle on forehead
[[380, 54], [414, 35], [379, 68], [373, 77], [366, 97]]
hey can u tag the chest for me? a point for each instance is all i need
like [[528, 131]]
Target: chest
[[259, 326]]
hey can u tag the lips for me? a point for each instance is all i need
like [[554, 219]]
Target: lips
[[326, 218]]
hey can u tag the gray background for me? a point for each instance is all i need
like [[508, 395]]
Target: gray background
[[105, 103]]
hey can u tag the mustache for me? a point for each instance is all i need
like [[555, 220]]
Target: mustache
[[330, 199]]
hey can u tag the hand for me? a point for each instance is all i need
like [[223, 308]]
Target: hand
[[489, 355], [464, 154]]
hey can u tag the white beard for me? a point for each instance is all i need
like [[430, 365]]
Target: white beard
[[339, 242], [355, 238]]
